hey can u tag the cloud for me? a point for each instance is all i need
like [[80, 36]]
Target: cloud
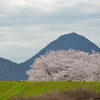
[[47, 6], [26, 26]]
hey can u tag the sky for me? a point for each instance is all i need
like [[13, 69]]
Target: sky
[[27, 26]]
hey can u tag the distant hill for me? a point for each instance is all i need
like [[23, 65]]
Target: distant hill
[[67, 41], [11, 71]]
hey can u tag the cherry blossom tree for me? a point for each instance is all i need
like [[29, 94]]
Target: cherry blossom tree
[[64, 65]]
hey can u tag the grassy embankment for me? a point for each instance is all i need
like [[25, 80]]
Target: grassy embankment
[[13, 89]]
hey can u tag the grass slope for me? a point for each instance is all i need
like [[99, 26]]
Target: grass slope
[[33, 89]]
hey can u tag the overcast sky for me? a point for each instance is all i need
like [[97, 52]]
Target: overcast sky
[[26, 26]]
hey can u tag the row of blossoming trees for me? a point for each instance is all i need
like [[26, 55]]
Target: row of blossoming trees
[[64, 65]]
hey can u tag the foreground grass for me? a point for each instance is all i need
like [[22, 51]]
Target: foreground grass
[[26, 90], [78, 94]]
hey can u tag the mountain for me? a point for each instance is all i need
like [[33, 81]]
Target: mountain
[[67, 41], [11, 71]]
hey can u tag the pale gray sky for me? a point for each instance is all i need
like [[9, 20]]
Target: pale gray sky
[[26, 26]]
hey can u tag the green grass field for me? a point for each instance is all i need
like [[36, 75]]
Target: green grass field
[[12, 89]]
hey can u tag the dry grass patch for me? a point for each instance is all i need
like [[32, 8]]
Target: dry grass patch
[[79, 94]]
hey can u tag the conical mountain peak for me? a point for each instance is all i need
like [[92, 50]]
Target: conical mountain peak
[[66, 42]]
